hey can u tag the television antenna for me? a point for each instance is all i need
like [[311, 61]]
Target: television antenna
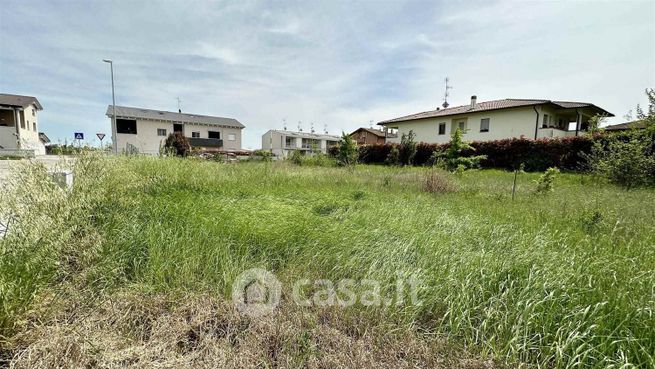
[[284, 123], [446, 94], [311, 125], [179, 105], [299, 126], [325, 128]]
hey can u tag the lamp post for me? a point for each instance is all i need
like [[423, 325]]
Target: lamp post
[[113, 107]]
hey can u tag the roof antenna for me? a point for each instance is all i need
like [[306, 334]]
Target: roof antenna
[[446, 94], [325, 128], [311, 125], [284, 123], [299, 126], [370, 123], [179, 105]]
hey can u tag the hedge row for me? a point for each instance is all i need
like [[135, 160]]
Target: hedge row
[[535, 155]]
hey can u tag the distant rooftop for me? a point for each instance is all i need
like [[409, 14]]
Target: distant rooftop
[[376, 132], [495, 105], [141, 113], [317, 136], [19, 101], [637, 124]]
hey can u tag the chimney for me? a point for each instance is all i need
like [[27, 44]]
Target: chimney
[[474, 99]]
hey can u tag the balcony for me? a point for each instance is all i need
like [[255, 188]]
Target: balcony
[[213, 143]]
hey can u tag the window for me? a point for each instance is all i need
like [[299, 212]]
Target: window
[[459, 124], [195, 134], [442, 128], [161, 132], [231, 137], [289, 141], [33, 113], [214, 135], [544, 124], [484, 125], [34, 126], [329, 143], [177, 127], [126, 126], [22, 119]]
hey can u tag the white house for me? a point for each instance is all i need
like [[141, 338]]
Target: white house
[[145, 130], [19, 124], [282, 143], [498, 119]]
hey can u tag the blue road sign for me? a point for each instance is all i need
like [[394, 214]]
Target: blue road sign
[[79, 135]]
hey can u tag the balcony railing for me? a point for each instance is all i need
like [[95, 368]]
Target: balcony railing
[[205, 142]]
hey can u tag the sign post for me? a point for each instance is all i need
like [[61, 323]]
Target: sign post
[[100, 137], [79, 136]]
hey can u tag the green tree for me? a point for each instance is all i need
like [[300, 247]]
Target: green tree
[[347, 151], [407, 149], [177, 144], [453, 157]]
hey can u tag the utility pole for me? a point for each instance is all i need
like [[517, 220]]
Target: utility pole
[[114, 133]]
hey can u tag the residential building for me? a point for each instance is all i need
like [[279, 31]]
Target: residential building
[[637, 124], [282, 143], [370, 136], [145, 130], [19, 124], [498, 119]]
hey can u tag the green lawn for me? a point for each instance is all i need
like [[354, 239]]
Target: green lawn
[[563, 279]]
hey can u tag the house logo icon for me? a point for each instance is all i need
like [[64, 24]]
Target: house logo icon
[[79, 135], [256, 292]]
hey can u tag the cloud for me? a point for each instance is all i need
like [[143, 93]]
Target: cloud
[[336, 63]]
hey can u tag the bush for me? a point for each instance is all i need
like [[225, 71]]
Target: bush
[[629, 163], [394, 156], [347, 151], [452, 158], [296, 157], [263, 155], [545, 183], [177, 144], [437, 182], [407, 150]]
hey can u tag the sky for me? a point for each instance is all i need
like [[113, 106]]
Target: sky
[[339, 64]]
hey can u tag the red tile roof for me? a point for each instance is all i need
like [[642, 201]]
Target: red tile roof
[[494, 105]]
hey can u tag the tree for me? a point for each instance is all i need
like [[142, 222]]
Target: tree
[[453, 157], [177, 144], [347, 151], [407, 149], [595, 124]]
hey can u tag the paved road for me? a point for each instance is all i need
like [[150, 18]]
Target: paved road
[[50, 161]]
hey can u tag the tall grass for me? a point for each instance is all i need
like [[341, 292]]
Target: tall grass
[[561, 280]]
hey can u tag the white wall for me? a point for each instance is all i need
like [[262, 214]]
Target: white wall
[[29, 136], [508, 123], [148, 142]]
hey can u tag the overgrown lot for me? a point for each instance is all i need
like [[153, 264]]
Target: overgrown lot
[[562, 279]]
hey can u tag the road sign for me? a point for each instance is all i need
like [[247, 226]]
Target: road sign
[[100, 136], [79, 135]]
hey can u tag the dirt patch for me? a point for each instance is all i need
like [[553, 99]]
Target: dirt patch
[[137, 330]]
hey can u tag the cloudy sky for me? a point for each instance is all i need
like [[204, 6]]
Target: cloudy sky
[[340, 64]]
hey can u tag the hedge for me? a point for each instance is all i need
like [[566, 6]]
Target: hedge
[[536, 155]]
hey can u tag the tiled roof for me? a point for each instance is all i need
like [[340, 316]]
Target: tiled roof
[[371, 131], [19, 100], [492, 105], [625, 126], [128, 112], [317, 136]]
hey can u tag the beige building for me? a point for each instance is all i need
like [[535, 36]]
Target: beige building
[[19, 123], [498, 119], [283, 143], [145, 130]]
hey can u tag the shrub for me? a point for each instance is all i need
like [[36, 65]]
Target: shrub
[[545, 183], [296, 157], [394, 156], [437, 182], [177, 144], [626, 163], [407, 149], [263, 155], [347, 151], [453, 156]]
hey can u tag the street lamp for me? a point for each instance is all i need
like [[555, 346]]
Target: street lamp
[[113, 107]]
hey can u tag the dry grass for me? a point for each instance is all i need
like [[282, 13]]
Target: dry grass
[[136, 330], [438, 182]]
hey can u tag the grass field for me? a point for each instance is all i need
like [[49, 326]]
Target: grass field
[[558, 280]]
